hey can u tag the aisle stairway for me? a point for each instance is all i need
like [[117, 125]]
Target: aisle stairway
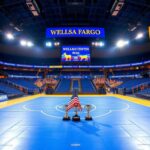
[[75, 84], [64, 86], [87, 86]]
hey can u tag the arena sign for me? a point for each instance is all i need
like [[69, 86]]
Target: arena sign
[[75, 32], [75, 53], [3, 98]]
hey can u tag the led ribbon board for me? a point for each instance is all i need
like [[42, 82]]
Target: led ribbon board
[[75, 54], [75, 32]]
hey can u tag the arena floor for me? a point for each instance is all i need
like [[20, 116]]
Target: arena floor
[[35, 123]]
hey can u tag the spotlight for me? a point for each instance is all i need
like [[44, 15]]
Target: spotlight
[[101, 44], [29, 44], [9, 36], [122, 43], [93, 43], [139, 36], [48, 44], [56, 43], [126, 42], [23, 43], [96, 43]]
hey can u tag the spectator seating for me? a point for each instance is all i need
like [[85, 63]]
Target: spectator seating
[[64, 86], [87, 86], [26, 83], [144, 93], [9, 89], [75, 84], [131, 86], [133, 82]]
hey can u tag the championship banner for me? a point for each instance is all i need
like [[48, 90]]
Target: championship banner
[[75, 32]]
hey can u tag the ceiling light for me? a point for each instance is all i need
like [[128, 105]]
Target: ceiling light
[[9, 36]]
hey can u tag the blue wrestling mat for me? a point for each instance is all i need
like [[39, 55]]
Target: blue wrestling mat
[[37, 125]]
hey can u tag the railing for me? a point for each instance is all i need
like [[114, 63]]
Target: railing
[[134, 89], [93, 86], [16, 86], [140, 87], [20, 87], [74, 66]]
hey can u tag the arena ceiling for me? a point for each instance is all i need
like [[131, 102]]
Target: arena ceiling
[[133, 17], [15, 13]]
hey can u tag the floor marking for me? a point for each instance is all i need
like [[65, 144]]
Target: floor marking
[[75, 145], [124, 109], [41, 111], [107, 113], [56, 107], [19, 100], [111, 111], [46, 114], [12, 102], [63, 111], [28, 109]]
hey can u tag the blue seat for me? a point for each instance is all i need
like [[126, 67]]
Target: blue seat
[[87, 86], [64, 86], [8, 89]]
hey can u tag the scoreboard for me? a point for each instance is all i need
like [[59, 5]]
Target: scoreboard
[[75, 54]]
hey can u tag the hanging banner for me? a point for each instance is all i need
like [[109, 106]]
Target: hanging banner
[[75, 32]]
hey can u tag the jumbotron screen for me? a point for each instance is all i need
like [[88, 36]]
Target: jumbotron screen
[[75, 54]]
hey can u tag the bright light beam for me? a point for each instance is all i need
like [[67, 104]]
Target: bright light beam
[[10, 36], [122, 43], [139, 36]]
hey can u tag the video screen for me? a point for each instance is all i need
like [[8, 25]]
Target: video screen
[[75, 54]]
